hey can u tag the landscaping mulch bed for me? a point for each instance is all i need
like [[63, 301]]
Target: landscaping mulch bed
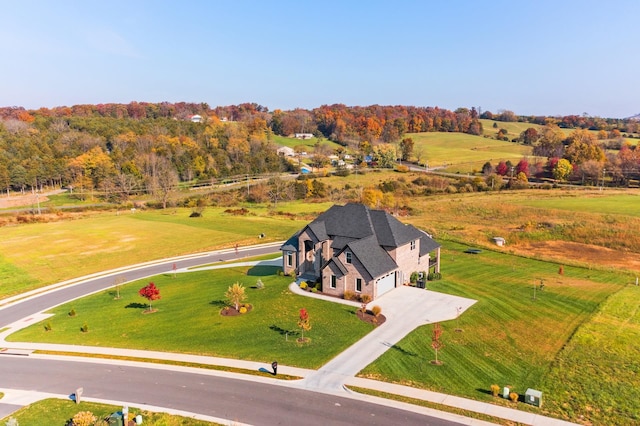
[[370, 318], [230, 311]]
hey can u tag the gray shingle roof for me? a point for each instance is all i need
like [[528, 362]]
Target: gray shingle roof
[[351, 220], [427, 244], [374, 258], [366, 232], [335, 261], [291, 244], [340, 242]]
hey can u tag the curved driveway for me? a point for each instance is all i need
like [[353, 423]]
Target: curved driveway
[[240, 399]]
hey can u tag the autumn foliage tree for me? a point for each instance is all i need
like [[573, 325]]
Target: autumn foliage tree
[[303, 322], [150, 292], [406, 148], [235, 294], [562, 169]]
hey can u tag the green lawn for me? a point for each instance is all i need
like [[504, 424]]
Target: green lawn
[[598, 372], [308, 143], [465, 151], [189, 321], [508, 338], [58, 412], [619, 204], [33, 255], [513, 128]]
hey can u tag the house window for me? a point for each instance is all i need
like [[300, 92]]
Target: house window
[[289, 259], [358, 285], [413, 245], [333, 281], [348, 256]]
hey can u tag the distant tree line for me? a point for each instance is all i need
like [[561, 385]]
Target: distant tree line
[[124, 149], [628, 125]]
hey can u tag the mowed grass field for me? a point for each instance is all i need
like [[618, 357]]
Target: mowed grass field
[[603, 226], [44, 253], [627, 204], [508, 338], [188, 319], [308, 143], [460, 151]]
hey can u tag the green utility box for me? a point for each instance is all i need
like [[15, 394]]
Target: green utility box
[[533, 397]]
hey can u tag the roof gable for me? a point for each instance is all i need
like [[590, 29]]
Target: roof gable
[[374, 258]]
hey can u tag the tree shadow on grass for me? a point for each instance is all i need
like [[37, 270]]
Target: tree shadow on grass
[[263, 270], [219, 303], [485, 391], [137, 305], [284, 332]]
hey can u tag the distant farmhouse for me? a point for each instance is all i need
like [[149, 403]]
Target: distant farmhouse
[[356, 249], [303, 135], [286, 151]]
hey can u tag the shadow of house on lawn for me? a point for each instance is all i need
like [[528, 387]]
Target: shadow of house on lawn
[[263, 270]]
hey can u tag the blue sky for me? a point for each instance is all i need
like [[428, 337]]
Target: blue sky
[[532, 57]]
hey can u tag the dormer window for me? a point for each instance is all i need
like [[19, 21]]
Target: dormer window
[[347, 256]]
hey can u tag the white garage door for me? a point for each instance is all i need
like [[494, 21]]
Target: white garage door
[[386, 284]]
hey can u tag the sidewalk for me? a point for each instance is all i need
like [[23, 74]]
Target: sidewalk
[[15, 399], [405, 309]]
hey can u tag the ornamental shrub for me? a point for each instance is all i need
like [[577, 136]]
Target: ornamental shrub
[[243, 310], [365, 298], [72, 313], [84, 328], [47, 326], [434, 276], [513, 396], [495, 390], [259, 284], [376, 310], [84, 418], [303, 285], [349, 295]]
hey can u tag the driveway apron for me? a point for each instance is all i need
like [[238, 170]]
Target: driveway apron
[[405, 308]]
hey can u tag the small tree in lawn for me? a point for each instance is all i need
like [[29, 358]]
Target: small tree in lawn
[[435, 342], [235, 295], [150, 292], [303, 322]]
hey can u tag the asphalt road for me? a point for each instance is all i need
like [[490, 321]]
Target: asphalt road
[[46, 301], [242, 401], [237, 400]]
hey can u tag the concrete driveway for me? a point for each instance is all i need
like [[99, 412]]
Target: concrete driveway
[[406, 308]]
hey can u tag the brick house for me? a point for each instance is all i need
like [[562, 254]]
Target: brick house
[[357, 249]]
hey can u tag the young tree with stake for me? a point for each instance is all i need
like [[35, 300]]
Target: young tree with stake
[[303, 322], [150, 292]]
